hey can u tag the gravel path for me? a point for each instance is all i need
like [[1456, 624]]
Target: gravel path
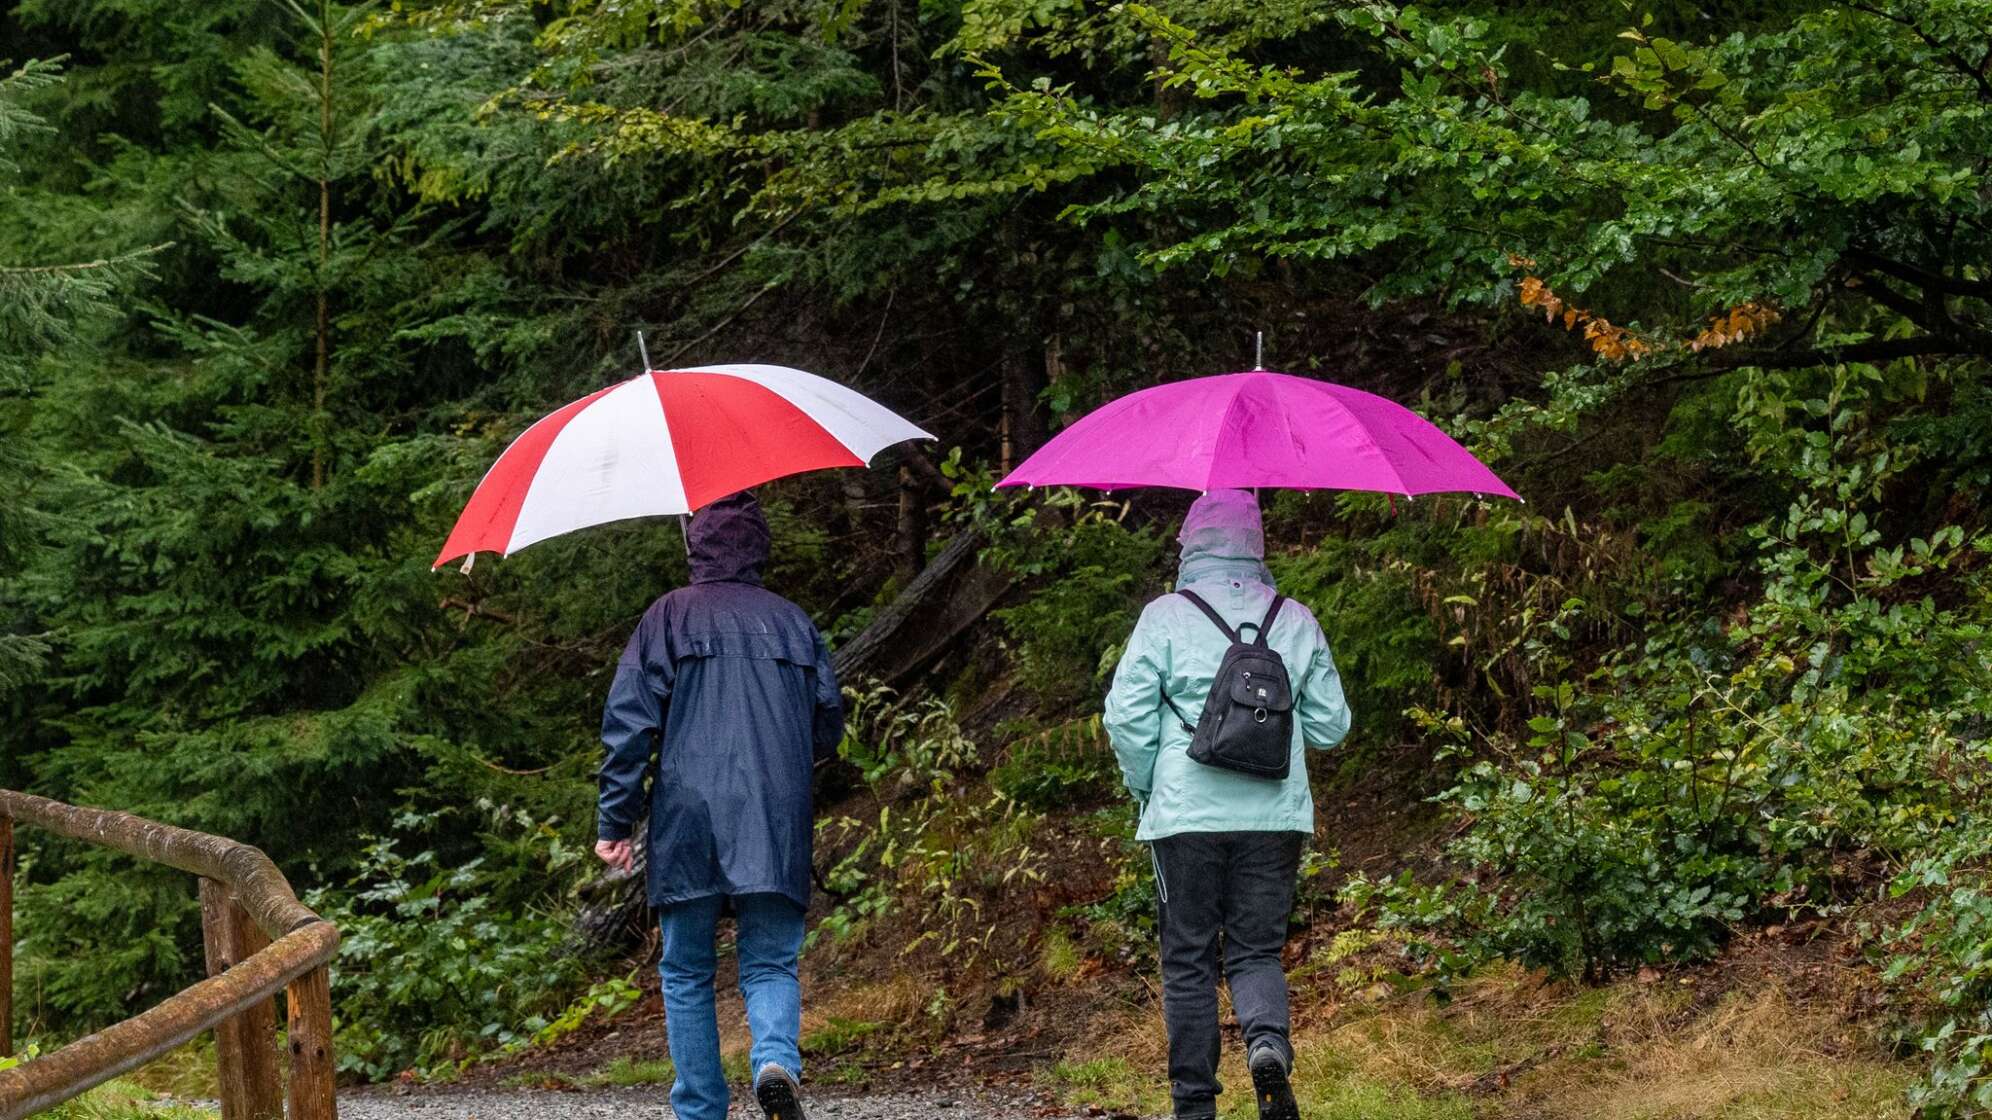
[[649, 1104]]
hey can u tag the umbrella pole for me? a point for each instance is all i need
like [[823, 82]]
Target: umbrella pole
[[684, 525]]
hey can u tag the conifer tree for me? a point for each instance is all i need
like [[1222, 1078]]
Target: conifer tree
[[43, 306], [250, 639], [209, 577]]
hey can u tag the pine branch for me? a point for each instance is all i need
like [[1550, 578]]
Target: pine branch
[[20, 658], [81, 267]]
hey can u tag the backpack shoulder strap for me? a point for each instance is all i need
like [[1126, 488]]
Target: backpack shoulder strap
[[1178, 712], [1272, 616], [1212, 613]]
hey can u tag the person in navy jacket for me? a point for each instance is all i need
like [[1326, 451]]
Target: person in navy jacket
[[722, 703]]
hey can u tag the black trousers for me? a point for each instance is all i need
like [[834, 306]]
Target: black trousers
[[1230, 892]]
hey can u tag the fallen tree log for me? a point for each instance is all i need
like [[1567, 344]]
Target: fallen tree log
[[950, 594]]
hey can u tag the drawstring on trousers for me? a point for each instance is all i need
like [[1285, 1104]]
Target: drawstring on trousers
[[1154, 860]]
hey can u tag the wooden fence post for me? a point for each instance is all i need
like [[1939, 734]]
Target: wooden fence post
[[250, 1084], [236, 1005], [6, 936], [313, 1092]]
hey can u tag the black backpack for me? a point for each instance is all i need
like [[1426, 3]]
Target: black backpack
[[1247, 722]]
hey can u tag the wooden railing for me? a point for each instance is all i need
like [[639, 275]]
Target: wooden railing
[[260, 940]]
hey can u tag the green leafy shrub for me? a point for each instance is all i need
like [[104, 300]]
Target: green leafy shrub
[[1121, 925], [1067, 633], [435, 970], [1721, 771], [1090, 573], [1069, 765], [1385, 644], [935, 853], [1944, 951], [915, 741]]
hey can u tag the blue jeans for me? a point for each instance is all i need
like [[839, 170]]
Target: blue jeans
[[770, 946]]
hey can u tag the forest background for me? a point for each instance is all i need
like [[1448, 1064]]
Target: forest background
[[1709, 283]]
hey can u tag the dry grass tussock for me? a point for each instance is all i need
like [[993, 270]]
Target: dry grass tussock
[[900, 999], [1510, 1046], [1754, 1055]]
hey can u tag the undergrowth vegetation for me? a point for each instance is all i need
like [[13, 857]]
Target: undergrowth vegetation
[[1780, 757], [943, 857], [442, 966]]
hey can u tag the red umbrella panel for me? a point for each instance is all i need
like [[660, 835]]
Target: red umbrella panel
[[668, 442]]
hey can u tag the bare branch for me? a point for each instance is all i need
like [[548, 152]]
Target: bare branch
[[1963, 65], [1876, 350], [1919, 276]]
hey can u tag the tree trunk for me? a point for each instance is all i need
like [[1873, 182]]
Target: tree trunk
[[322, 365], [615, 910], [6, 936], [1023, 383], [910, 544], [1168, 102]]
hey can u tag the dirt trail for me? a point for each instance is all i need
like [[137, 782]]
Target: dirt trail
[[650, 1104]]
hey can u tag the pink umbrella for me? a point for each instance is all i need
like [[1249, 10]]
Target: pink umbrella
[[1257, 428], [665, 443]]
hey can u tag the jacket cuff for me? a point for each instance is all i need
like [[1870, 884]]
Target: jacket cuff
[[609, 831]]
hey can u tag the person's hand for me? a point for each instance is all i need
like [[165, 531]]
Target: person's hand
[[620, 855]]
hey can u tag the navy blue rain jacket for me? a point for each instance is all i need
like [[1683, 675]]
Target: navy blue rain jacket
[[722, 703]]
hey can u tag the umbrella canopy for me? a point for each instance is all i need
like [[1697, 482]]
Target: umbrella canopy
[[667, 443], [1244, 430]]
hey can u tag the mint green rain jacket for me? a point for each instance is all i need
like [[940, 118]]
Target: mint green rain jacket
[[1175, 647]]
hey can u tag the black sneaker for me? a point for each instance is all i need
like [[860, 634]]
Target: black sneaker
[[780, 1097], [1270, 1085]]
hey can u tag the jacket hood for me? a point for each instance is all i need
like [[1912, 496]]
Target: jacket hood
[[1223, 538], [729, 541]]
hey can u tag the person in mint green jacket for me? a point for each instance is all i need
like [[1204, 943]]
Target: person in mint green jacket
[[1226, 845]]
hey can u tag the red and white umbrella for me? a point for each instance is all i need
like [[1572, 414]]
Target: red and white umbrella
[[668, 442]]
